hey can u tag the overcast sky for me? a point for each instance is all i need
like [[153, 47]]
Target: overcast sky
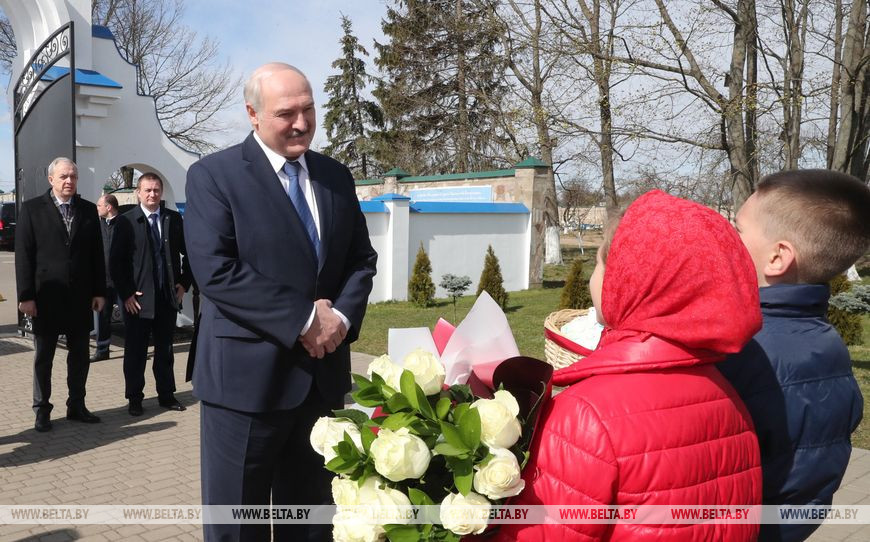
[[251, 33]]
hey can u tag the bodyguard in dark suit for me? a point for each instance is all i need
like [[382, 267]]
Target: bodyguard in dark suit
[[151, 278], [61, 279], [107, 209], [280, 251]]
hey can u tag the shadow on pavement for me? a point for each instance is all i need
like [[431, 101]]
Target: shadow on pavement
[[70, 437], [56, 534]]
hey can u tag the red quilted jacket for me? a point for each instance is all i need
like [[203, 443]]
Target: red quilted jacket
[[647, 419]]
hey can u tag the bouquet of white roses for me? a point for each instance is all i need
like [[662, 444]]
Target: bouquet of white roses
[[430, 444]]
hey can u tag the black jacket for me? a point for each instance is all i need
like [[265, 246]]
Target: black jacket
[[61, 272], [131, 260], [108, 229]]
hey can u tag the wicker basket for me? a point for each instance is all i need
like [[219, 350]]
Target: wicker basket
[[564, 352]]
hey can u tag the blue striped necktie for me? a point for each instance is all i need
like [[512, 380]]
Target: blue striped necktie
[[297, 197]]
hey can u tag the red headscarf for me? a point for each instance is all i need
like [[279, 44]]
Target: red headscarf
[[679, 289]]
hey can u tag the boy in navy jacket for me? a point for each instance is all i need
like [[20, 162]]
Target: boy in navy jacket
[[802, 228]]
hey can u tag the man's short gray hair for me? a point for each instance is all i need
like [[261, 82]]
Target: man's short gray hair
[[57, 161], [252, 85]]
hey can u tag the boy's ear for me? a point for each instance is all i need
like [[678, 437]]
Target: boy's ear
[[781, 260]]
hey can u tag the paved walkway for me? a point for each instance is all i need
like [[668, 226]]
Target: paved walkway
[[155, 459]]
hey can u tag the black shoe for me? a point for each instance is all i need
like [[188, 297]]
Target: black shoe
[[43, 422], [171, 403], [81, 414], [100, 355], [135, 407]]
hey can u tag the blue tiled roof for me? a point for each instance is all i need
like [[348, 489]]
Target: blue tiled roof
[[83, 77], [392, 196], [468, 207], [372, 207], [103, 32]]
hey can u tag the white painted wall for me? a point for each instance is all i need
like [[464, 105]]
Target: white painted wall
[[114, 127], [378, 224], [117, 127], [456, 243]]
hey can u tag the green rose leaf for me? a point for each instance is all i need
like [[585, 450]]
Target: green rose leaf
[[460, 393], [368, 397], [408, 388], [402, 533], [398, 402], [356, 416], [469, 428], [463, 472], [419, 497], [442, 407], [460, 411], [453, 436], [425, 406], [399, 420], [447, 449], [367, 436], [361, 381]]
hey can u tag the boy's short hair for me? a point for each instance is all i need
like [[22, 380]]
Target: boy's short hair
[[824, 214]]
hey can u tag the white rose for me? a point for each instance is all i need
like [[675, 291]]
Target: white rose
[[347, 526], [354, 522], [499, 426], [500, 477], [393, 505], [428, 372], [465, 515], [328, 432], [399, 455], [386, 369], [345, 492]]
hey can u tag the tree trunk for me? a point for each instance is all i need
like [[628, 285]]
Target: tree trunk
[[127, 176], [794, 28], [853, 94], [462, 151], [835, 83]]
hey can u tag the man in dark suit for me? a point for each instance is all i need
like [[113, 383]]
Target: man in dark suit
[[107, 208], [61, 279], [284, 263], [151, 278]]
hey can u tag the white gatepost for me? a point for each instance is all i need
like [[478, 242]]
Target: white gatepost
[[396, 260]]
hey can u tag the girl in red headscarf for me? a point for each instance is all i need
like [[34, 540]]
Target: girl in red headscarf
[[647, 419]]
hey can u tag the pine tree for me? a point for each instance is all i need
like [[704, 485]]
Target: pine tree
[[847, 324], [491, 279], [350, 119], [575, 293], [443, 82], [421, 289]]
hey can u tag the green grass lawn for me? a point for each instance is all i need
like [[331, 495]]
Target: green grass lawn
[[861, 367], [526, 312]]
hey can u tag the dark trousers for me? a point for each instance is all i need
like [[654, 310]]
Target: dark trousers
[[104, 320], [136, 335], [77, 365], [250, 458]]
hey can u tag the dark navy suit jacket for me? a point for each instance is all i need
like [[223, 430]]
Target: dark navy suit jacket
[[259, 278]]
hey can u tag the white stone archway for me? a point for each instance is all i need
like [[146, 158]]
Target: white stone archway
[[114, 124]]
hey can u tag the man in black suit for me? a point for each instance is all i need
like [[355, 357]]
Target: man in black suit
[[61, 279], [151, 279], [107, 208], [283, 261]]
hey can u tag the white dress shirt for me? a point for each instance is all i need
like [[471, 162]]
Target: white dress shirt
[[277, 162], [148, 218]]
